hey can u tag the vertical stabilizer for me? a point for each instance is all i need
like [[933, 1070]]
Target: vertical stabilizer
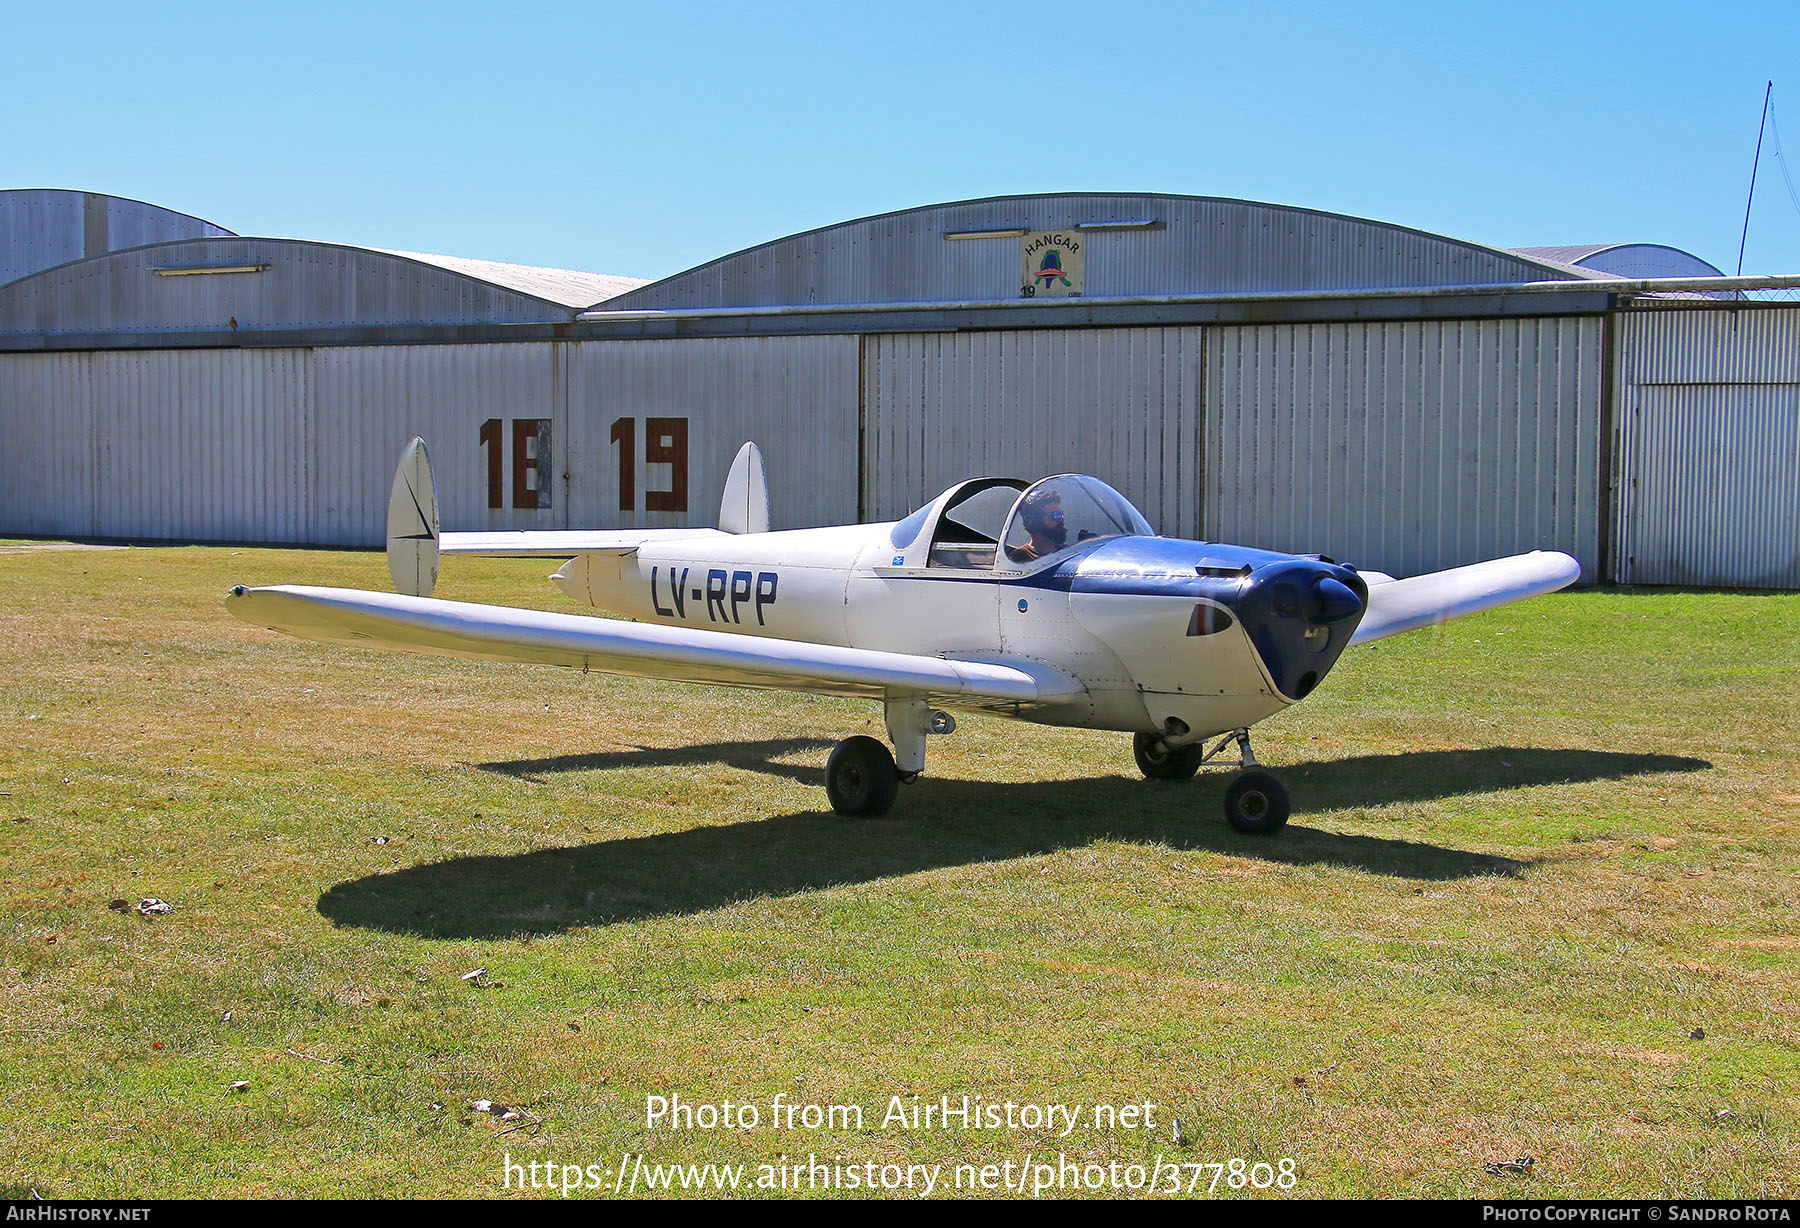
[[745, 505], [412, 524]]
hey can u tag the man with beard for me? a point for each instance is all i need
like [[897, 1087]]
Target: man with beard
[[1042, 516]]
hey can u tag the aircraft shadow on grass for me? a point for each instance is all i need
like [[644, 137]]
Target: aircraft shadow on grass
[[757, 756], [945, 823]]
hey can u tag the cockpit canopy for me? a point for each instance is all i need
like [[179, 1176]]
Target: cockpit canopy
[[1002, 524], [1064, 511]]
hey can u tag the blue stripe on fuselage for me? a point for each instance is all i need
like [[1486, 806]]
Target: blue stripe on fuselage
[[1150, 566]]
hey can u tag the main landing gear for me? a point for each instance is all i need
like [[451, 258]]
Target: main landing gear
[[862, 778], [1255, 802]]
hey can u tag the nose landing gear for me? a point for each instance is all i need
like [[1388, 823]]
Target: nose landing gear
[[1256, 803]]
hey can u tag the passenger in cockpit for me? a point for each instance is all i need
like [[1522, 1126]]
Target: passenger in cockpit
[[1042, 516]]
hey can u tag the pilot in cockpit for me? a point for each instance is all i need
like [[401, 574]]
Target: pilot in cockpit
[[1041, 515]]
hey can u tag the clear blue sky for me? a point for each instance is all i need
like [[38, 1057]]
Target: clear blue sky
[[646, 137]]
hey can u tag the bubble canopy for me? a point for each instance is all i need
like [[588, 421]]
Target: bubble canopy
[[1065, 511]]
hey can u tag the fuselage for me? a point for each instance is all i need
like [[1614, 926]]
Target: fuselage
[[1181, 638]]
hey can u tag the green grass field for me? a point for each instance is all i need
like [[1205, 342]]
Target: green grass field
[[1530, 854]]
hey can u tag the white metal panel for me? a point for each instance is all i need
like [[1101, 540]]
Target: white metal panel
[[1406, 447], [796, 397], [46, 424], [1742, 345], [370, 400], [204, 445], [1710, 485], [1122, 404]]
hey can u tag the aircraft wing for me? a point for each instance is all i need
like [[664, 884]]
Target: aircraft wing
[[1421, 601], [365, 619], [561, 543]]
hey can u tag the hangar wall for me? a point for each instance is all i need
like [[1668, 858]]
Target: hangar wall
[[1271, 435], [298, 445], [1403, 445]]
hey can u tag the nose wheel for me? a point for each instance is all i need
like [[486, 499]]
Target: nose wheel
[[1256, 803]]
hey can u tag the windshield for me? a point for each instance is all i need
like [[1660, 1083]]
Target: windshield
[[1064, 511]]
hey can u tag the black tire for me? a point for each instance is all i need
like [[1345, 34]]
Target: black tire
[[861, 779], [1256, 803], [1158, 762]]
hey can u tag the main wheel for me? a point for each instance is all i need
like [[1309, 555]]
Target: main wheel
[[860, 778], [1157, 760], [1256, 803]]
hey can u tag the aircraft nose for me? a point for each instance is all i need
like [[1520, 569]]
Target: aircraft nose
[[1299, 615], [1334, 601]]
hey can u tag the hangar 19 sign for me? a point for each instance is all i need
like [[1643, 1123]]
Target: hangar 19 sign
[[1050, 264]]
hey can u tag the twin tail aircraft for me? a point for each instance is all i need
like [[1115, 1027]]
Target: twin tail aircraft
[[1053, 602]]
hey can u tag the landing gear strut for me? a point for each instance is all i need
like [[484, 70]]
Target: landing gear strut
[[1255, 802], [862, 778]]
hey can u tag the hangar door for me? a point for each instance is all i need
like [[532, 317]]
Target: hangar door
[[198, 445], [1708, 437], [1407, 446], [1120, 403]]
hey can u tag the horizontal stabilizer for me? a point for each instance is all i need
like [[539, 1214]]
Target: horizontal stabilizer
[[561, 543], [364, 619], [1423, 601]]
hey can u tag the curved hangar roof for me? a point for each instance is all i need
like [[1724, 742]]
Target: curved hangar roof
[[1131, 246], [226, 284], [41, 228], [1627, 259]]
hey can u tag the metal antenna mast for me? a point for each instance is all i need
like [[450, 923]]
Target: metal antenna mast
[[1753, 164]]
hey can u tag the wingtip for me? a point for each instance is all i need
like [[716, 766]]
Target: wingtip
[[237, 601], [1567, 566]]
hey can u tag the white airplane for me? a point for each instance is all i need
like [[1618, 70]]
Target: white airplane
[[1052, 602]]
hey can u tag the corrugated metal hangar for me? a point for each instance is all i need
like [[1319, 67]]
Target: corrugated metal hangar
[[1246, 372]]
